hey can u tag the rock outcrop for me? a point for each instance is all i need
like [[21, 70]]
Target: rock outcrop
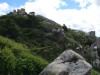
[[58, 33], [68, 63], [94, 54], [96, 63]]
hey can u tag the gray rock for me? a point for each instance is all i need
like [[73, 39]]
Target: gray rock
[[96, 63], [68, 63]]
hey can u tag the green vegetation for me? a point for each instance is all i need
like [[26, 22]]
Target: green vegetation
[[16, 59], [94, 72], [27, 43]]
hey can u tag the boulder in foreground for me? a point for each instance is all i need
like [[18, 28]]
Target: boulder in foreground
[[68, 63]]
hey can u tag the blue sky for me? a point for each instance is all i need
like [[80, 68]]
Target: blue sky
[[71, 4], [15, 3], [77, 14]]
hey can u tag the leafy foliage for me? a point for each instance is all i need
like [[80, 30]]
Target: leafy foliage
[[35, 33], [16, 59], [94, 72]]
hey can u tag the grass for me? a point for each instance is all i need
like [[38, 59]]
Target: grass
[[94, 72]]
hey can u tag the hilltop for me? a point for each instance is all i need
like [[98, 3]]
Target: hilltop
[[43, 38]]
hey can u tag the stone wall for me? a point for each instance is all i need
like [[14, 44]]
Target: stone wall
[[20, 11], [92, 33]]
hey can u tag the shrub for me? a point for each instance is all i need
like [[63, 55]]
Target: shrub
[[16, 59]]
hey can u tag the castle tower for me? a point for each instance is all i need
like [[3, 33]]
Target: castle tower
[[92, 33]]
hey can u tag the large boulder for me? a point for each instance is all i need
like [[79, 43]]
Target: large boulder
[[68, 63]]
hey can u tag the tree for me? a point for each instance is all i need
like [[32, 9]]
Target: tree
[[10, 29]]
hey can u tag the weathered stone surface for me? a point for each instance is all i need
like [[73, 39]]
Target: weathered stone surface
[[68, 63], [96, 63]]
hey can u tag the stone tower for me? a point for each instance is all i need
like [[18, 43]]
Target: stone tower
[[92, 33]]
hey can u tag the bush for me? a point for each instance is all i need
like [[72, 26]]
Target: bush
[[94, 72], [16, 59]]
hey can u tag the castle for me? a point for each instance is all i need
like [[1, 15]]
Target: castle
[[97, 42], [22, 12]]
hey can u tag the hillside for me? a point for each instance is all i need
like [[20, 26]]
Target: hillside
[[16, 59], [37, 40]]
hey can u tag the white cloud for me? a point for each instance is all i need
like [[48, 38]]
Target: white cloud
[[83, 3], [98, 2], [87, 18], [2, 13], [3, 8], [45, 5]]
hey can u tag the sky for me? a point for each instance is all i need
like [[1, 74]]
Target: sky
[[76, 14]]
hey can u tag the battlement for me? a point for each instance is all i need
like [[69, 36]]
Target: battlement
[[92, 33], [20, 11]]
